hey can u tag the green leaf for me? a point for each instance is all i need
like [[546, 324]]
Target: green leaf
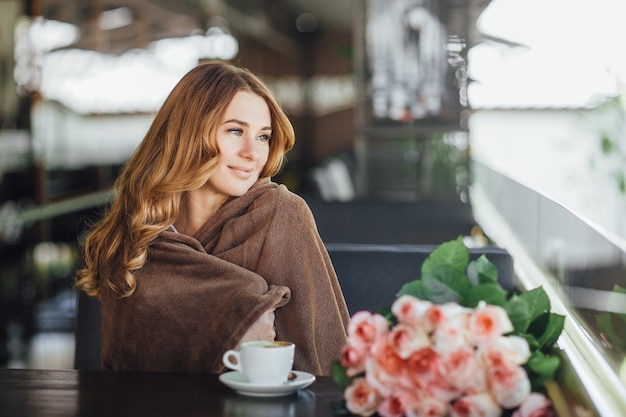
[[538, 302], [438, 292], [519, 312], [491, 293], [533, 343], [538, 326], [541, 368], [453, 253], [612, 327], [553, 330], [482, 271], [414, 288], [445, 283], [339, 375]]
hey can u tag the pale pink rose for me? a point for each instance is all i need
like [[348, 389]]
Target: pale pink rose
[[452, 310], [353, 360], [504, 349], [423, 367], [451, 334], [406, 339], [509, 384], [535, 405], [361, 398], [384, 369], [376, 376], [365, 328], [387, 357], [462, 369], [392, 406], [410, 310], [487, 323], [442, 389], [477, 405], [424, 373], [520, 351], [438, 314], [428, 407]]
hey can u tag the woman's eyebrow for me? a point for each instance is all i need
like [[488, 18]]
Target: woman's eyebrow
[[242, 123]]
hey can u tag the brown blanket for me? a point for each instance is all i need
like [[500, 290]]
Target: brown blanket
[[197, 296]]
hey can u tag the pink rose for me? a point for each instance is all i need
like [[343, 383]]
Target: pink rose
[[504, 349], [386, 356], [392, 406], [463, 370], [406, 339], [361, 398], [423, 367], [477, 405], [509, 384], [384, 383], [423, 371], [365, 328], [487, 323], [451, 334], [438, 314], [428, 407], [384, 368], [353, 360], [410, 310], [535, 405]]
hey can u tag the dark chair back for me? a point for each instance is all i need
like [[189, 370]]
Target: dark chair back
[[371, 275], [87, 333]]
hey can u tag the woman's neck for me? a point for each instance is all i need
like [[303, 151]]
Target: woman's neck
[[196, 208]]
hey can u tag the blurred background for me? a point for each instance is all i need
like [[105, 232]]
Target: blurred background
[[416, 120]]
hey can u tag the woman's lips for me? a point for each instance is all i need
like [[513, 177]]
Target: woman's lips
[[242, 172]]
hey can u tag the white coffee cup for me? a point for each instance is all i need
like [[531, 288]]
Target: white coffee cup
[[262, 361]]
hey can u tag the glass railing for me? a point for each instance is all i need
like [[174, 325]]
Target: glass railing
[[582, 267]]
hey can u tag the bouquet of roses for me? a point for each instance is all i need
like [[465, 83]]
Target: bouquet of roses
[[454, 343]]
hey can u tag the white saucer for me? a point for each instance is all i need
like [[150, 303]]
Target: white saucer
[[237, 381]]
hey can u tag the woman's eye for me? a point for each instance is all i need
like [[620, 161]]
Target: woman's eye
[[236, 131], [264, 138]]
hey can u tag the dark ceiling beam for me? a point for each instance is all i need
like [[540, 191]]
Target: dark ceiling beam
[[259, 29]]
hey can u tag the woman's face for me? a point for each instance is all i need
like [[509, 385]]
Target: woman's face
[[243, 140]]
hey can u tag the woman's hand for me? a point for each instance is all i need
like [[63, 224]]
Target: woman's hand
[[262, 329]]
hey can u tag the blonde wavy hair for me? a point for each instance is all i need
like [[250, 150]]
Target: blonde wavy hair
[[178, 154]]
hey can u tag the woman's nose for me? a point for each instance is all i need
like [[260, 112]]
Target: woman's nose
[[249, 148]]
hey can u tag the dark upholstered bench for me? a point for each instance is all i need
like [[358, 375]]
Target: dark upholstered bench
[[371, 275], [392, 222]]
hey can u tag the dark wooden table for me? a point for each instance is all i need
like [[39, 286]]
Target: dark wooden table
[[68, 393]]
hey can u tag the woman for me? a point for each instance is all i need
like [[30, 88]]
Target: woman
[[200, 250]]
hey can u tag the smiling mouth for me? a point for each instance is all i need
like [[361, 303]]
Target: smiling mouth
[[242, 172]]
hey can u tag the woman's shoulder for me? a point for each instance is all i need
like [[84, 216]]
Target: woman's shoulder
[[284, 198]]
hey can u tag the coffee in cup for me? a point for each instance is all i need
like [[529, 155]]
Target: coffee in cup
[[262, 361]]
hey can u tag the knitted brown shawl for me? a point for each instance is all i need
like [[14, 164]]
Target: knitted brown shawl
[[197, 296]]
